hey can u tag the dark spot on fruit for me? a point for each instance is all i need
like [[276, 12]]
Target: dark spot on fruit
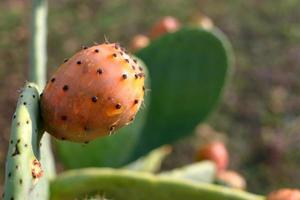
[[134, 60], [11, 141], [97, 50], [14, 116], [84, 47], [127, 60], [64, 118], [85, 128], [27, 122], [116, 46], [20, 181], [136, 101], [33, 96], [94, 99], [133, 67], [18, 124], [78, 62], [65, 88], [118, 106], [124, 76], [21, 95], [136, 76], [63, 138], [66, 60], [17, 166], [114, 55], [99, 71], [141, 75], [18, 141], [121, 53], [29, 86], [41, 94], [112, 128], [9, 174], [24, 103], [40, 144], [131, 119], [16, 152], [140, 68], [25, 145], [86, 142], [52, 80]]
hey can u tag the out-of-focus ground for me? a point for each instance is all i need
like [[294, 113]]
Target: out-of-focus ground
[[259, 114]]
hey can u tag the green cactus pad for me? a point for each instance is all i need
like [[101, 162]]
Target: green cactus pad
[[204, 171], [152, 161], [24, 150], [188, 71], [124, 184]]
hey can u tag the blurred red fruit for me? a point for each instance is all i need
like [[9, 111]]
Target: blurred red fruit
[[232, 179], [167, 24], [216, 152], [284, 194], [139, 42]]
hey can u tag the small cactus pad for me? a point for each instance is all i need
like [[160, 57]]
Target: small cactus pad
[[23, 168], [95, 92], [204, 172]]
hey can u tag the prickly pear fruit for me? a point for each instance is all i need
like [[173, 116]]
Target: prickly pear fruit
[[167, 24], [96, 91], [216, 152], [202, 20], [139, 42], [232, 179], [284, 194]]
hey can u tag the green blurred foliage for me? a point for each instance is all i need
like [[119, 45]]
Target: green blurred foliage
[[255, 116]]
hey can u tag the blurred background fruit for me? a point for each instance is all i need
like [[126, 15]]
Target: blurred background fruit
[[231, 179], [284, 194], [138, 42], [167, 24], [216, 152], [202, 20]]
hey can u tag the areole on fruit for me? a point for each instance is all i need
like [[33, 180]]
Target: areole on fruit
[[95, 92]]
